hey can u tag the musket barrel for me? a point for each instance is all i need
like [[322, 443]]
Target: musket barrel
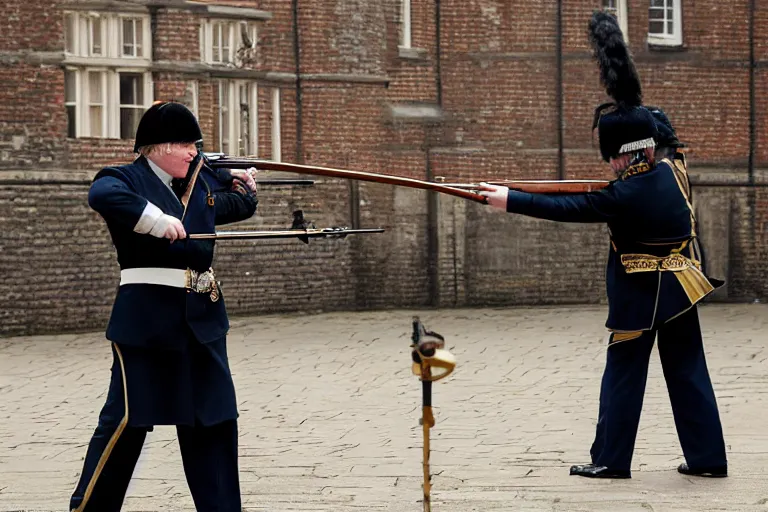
[[286, 182], [539, 186], [288, 233]]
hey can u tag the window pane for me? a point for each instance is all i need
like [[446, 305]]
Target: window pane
[[129, 121], [128, 41], [656, 14], [609, 4], [96, 121], [216, 42], [657, 3], [94, 88], [656, 27], [71, 112], [225, 33], [670, 14], [131, 91], [138, 38], [70, 32], [70, 84], [670, 28], [244, 121], [224, 116], [95, 36]]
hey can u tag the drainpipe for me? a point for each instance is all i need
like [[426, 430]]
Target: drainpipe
[[559, 90], [296, 59], [751, 197]]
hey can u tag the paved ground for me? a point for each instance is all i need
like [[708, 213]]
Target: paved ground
[[329, 416]]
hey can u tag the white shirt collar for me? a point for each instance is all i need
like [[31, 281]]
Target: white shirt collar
[[164, 176]]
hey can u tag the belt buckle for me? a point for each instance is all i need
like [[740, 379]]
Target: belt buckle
[[675, 262], [203, 282]]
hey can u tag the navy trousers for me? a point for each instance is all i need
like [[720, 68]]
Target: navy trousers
[[208, 451], [694, 407]]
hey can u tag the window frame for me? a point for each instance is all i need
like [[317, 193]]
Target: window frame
[[675, 38], [193, 86], [140, 39], [89, 34], [234, 117], [145, 84], [75, 102], [110, 63], [621, 14], [406, 35], [230, 32], [88, 102], [111, 99]]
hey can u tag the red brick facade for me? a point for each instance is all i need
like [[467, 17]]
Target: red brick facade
[[476, 96]]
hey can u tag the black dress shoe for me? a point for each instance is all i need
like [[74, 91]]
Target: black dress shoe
[[593, 471], [713, 472]]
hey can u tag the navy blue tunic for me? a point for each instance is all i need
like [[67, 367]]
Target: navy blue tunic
[[172, 341], [648, 213]]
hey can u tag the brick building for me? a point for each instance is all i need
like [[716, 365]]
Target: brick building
[[467, 90]]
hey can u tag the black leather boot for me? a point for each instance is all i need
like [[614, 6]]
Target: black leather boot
[[713, 472], [593, 471]]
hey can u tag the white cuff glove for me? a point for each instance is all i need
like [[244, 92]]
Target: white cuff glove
[[497, 195], [168, 226], [154, 222]]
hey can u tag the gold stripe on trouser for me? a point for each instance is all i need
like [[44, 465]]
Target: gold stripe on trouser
[[695, 283], [618, 337], [112, 441]]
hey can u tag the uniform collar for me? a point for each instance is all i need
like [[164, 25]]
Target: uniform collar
[[164, 176]]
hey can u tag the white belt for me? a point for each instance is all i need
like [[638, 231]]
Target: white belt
[[200, 282], [163, 276]]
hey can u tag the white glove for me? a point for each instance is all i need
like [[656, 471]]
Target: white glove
[[168, 226], [497, 195], [247, 177]]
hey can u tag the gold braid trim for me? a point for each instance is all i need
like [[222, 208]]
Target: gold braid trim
[[694, 283], [632, 170], [647, 263], [112, 441]]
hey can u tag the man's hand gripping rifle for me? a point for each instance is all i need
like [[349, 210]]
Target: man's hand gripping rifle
[[428, 352]]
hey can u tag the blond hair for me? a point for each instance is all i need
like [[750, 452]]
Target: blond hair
[[148, 149]]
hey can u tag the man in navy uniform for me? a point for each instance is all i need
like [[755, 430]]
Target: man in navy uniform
[[169, 324], [654, 277]]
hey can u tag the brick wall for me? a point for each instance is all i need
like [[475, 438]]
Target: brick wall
[[497, 118]]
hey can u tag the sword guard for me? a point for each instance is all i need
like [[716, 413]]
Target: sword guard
[[429, 353]]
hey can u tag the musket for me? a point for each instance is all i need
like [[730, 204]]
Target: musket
[[463, 190], [300, 228], [289, 233], [222, 161], [428, 352]]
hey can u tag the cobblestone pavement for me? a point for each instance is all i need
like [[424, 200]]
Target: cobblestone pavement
[[329, 416]]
